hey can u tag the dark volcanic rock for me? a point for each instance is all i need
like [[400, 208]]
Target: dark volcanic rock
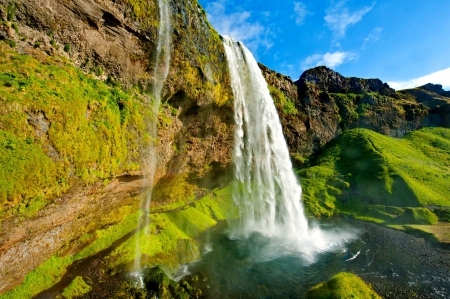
[[325, 79], [436, 88], [328, 103]]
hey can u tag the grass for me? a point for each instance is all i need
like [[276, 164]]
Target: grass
[[77, 288], [58, 124], [342, 286], [439, 232], [282, 102], [366, 175], [51, 271], [172, 234]]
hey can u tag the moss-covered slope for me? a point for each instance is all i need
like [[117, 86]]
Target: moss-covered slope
[[342, 286], [170, 243], [371, 176]]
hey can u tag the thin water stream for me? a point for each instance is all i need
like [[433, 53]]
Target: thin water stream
[[161, 71]]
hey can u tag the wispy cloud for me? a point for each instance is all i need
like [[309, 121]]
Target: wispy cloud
[[239, 25], [441, 77], [328, 59], [338, 18], [300, 13], [373, 37]]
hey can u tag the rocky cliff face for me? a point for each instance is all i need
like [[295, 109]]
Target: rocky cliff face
[[113, 42], [327, 104], [324, 79], [435, 99]]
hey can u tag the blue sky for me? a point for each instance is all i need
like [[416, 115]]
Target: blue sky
[[403, 42]]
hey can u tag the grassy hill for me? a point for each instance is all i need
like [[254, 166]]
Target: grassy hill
[[369, 176]]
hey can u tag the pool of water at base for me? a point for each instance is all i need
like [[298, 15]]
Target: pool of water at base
[[396, 264]]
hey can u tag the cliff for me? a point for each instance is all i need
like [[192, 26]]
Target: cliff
[[76, 107], [325, 104], [76, 110]]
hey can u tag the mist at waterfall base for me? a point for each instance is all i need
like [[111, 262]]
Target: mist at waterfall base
[[272, 250], [396, 264], [265, 188], [262, 252]]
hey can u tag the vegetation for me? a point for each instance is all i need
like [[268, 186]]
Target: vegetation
[[170, 242], [58, 124], [51, 271], [369, 176], [11, 10], [199, 62], [159, 285], [172, 233], [77, 288], [342, 286], [282, 102]]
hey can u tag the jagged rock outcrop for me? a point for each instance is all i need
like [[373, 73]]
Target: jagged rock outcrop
[[328, 103], [324, 79], [436, 88], [435, 99]]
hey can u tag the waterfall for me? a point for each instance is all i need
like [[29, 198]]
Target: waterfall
[[161, 70], [266, 189]]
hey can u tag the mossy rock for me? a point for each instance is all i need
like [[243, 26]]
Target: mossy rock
[[62, 126], [76, 288], [343, 286], [158, 283]]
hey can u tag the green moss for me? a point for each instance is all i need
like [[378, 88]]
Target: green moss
[[76, 288], [173, 189], [9, 42], [368, 175], [171, 234], [11, 10], [342, 286], [417, 216], [67, 48], [15, 27], [282, 102], [59, 124], [443, 214], [51, 271]]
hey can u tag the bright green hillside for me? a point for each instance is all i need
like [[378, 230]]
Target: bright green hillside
[[342, 286], [374, 177]]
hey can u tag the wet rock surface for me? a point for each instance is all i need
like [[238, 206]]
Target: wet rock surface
[[114, 41], [434, 263]]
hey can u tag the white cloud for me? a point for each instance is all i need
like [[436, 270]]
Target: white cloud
[[373, 37], [338, 18], [328, 59], [441, 77], [238, 25], [300, 13]]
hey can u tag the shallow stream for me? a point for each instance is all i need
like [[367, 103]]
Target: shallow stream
[[397, 265]]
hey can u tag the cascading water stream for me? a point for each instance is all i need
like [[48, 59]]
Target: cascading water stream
[[266, 190], [162, 63]]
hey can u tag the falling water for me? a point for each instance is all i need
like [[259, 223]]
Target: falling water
[[162, 63], [266, 190]]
